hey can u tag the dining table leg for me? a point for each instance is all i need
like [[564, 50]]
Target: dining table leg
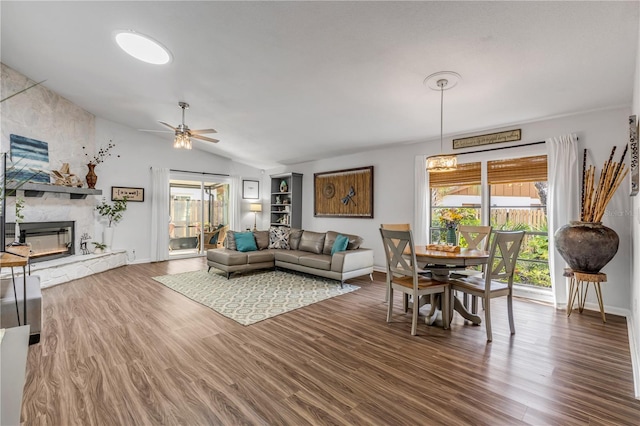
[[459, 307]]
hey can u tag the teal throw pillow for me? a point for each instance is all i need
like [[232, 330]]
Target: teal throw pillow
[[245, 241], [340, 244]]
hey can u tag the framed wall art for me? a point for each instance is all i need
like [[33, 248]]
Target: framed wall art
[[344, 193], [132, 194], [250, 189]]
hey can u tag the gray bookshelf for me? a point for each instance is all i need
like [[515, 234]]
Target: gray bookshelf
[[286, 205]]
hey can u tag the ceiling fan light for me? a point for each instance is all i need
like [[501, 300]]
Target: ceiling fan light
[[442, 163], [143, 47], [182, 141]]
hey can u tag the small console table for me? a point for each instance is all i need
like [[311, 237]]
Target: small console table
[[17, 256]]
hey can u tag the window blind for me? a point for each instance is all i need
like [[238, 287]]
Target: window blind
[[464, 174], [525, 169]]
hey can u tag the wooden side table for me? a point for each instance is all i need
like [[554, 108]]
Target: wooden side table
[[17, 256], [579, 286]]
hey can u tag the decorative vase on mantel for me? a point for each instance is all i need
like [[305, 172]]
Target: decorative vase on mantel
[[91, 177], [586, 246]]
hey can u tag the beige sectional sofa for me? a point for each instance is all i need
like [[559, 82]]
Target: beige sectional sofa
[[298, 250]]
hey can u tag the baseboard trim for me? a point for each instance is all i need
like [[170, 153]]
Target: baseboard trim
[[635, 361]]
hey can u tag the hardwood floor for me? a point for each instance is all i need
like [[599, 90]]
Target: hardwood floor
[[119, 348]]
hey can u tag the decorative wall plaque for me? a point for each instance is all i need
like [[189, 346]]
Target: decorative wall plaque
[[500, 137], [633, 148]]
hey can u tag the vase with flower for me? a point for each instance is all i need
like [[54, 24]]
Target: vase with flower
[[102, 155], [450, 218]]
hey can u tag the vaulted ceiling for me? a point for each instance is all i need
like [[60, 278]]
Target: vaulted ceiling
[[286, 82]]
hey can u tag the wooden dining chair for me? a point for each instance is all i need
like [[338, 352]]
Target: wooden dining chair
[[477, 238], [501, 266], [401, 227], [402, 275]]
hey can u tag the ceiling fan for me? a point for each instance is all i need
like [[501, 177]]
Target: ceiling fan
[[183, 134]]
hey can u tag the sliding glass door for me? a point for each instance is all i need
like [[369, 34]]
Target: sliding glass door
[[199, 211]]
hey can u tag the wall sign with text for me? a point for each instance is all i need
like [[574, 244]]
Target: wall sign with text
[[500, 137], [132, 194]]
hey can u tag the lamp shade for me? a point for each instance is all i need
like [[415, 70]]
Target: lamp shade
[[255, 207], [442, 163]]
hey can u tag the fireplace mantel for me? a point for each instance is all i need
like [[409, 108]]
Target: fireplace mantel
[[38, 190]]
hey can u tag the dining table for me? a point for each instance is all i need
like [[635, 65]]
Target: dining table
[[441, 263]]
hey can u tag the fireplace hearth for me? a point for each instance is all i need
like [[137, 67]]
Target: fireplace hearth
[[48, 240]]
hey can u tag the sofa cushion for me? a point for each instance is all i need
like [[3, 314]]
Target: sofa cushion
[[294, 238], [245, 241], [312, 242], [279, 237], [260, 256], [262, 239], [227, 257], [340, 244], [316, 261], [230, 241], [354, 241], [289, 256]]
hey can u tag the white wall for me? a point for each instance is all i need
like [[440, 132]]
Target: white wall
[[138, 153], [44, 115], [634, 224], [394, 187]]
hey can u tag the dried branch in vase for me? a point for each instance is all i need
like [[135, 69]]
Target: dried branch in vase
[[596, 198]]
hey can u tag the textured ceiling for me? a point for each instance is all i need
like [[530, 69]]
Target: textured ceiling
[[285, 82]]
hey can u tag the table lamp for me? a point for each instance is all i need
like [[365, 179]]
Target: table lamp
[[255, 208]]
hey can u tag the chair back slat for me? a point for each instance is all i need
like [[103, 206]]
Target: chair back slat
[[477, 237], [400, 253], [503, 255]]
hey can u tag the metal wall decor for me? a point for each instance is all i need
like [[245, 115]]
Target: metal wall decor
[[633, 148], [491, 138], [344, 193]]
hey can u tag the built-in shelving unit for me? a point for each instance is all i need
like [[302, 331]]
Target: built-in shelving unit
[[286, 200], [38, 190]]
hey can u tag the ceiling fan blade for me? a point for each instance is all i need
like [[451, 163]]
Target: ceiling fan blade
[[155, 131], [168, 125], [204, 138], [203, 131]]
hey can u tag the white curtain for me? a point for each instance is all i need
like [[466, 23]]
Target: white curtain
[[159, 214], [563, 202], [421, 228], [234, 204]]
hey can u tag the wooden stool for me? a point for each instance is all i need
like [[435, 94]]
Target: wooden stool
[[579, 285]]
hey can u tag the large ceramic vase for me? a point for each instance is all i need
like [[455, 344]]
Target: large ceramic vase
[[586, 246], [91, 177]]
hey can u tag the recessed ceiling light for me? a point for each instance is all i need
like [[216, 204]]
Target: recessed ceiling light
[[142, 47]]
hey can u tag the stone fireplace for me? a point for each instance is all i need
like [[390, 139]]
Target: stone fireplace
[[48, 240]]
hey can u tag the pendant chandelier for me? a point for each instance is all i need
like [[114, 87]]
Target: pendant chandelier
[[442, 81]]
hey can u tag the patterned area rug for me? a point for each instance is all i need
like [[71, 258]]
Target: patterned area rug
[[253, 297]]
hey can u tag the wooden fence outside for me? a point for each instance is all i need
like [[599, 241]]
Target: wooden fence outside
[[535, 218]]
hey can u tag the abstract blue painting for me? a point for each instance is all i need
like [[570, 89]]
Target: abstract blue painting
[[30, 160]]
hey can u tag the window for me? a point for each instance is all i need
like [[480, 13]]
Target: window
[[516, 200], [454, 193]]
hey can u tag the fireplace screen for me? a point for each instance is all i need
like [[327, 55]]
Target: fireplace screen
[[48, 240]]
